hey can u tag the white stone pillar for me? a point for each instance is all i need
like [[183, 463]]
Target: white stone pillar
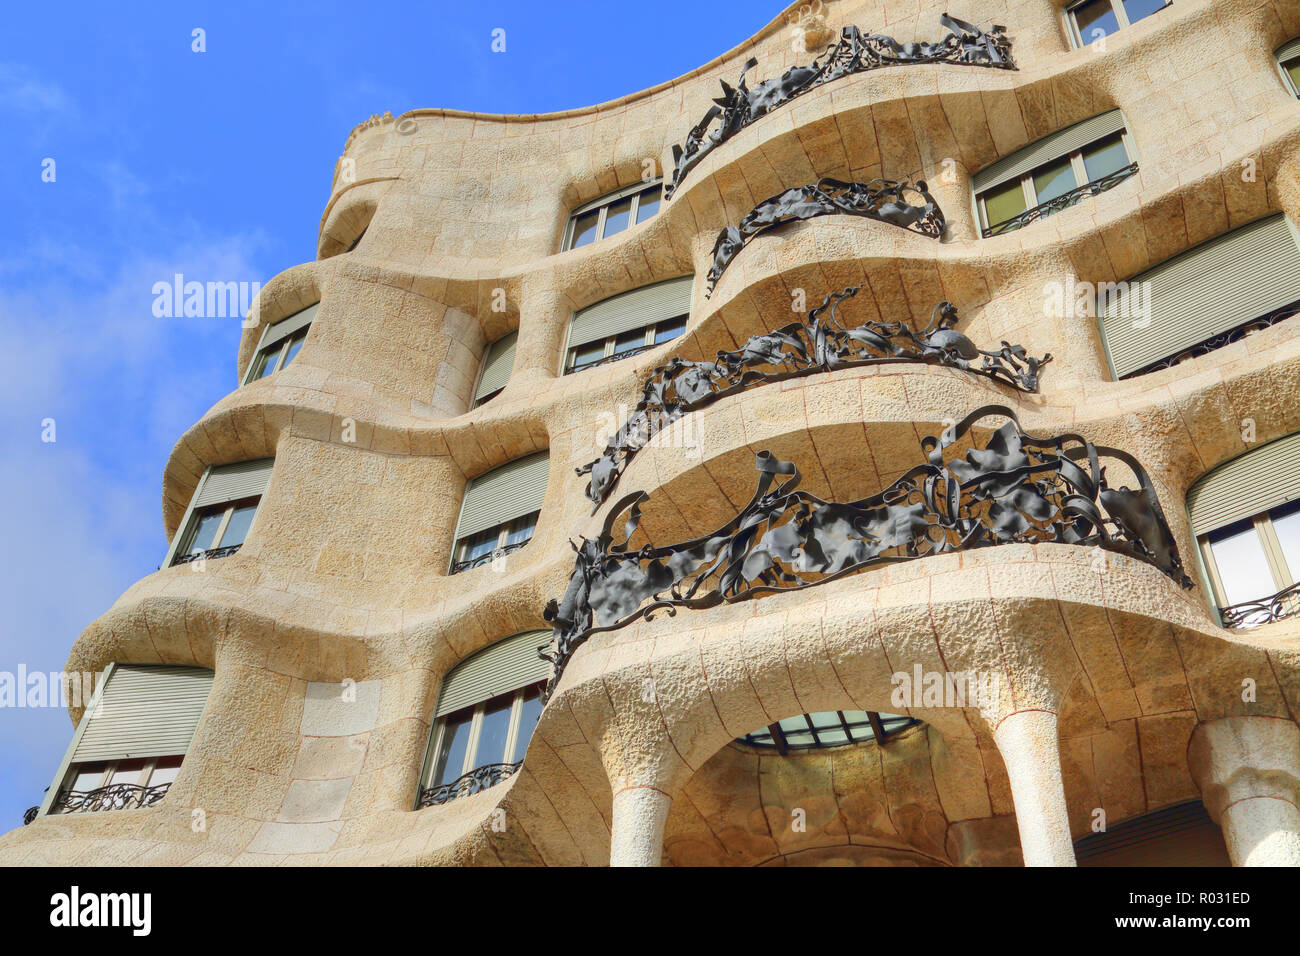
[[1248, 769], [637, 835], [1027, 740]]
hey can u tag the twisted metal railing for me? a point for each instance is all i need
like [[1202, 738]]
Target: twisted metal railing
[[1248, 614], [854, 52], [116, 796], [1206, 346], [210, 553], [822, 344], [488, 558], [1063, 201], [1015, 489], [476, 781], [607, 359]]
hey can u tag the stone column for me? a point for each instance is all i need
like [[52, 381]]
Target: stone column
[[1030, 749], [1248, 769], [637, 835]]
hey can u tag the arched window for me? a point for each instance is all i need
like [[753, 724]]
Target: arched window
[[832, 728], [485, 716], [628, 324], [611, 214], [499, 512], [498, 362], [221, 513], [280, 343]]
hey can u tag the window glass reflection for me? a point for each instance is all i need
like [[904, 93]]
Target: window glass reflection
[[1243, 568]]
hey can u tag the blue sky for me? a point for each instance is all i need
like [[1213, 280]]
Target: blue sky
[[216, 165]]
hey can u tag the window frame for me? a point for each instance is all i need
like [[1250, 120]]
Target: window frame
[[648, 342], [279, 349], [504, 530], [1281, 65], [1121, 19], [470, 762], [228, 510], [602, 204], [1283, 575], [106, 778], [1030, 191]]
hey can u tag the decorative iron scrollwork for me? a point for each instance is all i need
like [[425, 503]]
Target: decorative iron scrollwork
[[30, 814], [117, 796], [476, 781], [854, 52], [482, 559], [204, 555], [881, 199], [1248, 614], [1015, 489], [822, 344], [1063, 201]]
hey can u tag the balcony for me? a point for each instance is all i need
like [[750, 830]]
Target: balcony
[[482, 559], [117, 796], [1248, 614], [1063, 201], [466, 785]]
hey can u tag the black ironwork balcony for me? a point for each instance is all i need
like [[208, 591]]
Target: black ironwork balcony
[[116, 796], [488, 558], [31, 814], [1206, 346], [1248, 614], [210, 553], [1063, 201], [607, 359], [476, 781]]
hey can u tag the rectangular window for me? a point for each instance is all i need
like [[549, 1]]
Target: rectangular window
[[628, 324], [498, 362], [221, 513], [499, 512], [1054, 173], [1094, 19], [495, 731], [612, 214], [280, 343]]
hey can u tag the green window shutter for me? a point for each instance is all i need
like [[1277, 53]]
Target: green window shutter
[[287, 326], [504, 666], [631, 310], [503, 494], [1182, 835], [1288, 50], [233, 482], [1059, 144], [1220, 284], [144, 711], [497, 364], [1247, 485]]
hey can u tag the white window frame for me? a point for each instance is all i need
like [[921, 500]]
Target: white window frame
[[470, 763], [1027, 179], [504, 530], [647, 342], [1121, 19], [106, 778], [1283, 575], [1286, 77], [603, 204], [192, 525]]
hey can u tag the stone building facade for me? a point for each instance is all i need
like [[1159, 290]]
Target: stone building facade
[[336, 663]]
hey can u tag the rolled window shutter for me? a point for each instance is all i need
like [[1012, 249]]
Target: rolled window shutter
[[145, 711], [287, 326], [631, 310], [1247, 485], [503, 494], [1048, 148], [1288, 50], [1225, 282], [1182, 835], [504, 666], [497, 364], [233, 482]]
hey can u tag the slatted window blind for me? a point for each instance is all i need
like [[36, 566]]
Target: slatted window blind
[[1055, 146], [1288, 50], [1215, 287], [497, 365], [287, 326], [224, 483], [144, 711], [1256, 481], [504, 666], [631, 310], [503, 494], [1182, 835]]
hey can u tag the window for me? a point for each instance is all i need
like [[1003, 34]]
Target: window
[[1181, 835], [499, 512], [832, 728], [280, 343], [486, 713], [612, 214], [1246, 518], [1200, 300], [221, 513], [498, 362], [1288, 61], [628, 324], [1094, 19], [1054, 173], [132, 739]]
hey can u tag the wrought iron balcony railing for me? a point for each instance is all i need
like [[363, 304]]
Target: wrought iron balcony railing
[[476, 781], [1063, 201], [117, 796], [1248, 614], [31, 814], [607, 359], [488, 558], [210, 553], [1206, 346]]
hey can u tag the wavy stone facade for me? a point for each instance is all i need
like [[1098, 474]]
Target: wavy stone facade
[[1119, 689]]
